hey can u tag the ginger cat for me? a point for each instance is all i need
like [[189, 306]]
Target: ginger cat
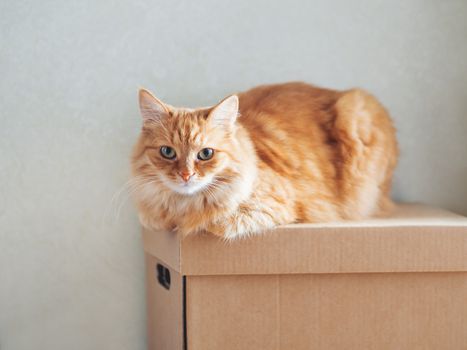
[[275, 154]]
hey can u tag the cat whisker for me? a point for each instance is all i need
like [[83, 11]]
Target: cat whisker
[[121, 196], [115, 198], [138, 186]]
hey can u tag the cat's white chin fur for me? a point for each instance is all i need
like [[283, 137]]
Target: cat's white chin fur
[[189, 188]]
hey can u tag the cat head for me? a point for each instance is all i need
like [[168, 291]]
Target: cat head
[[184, 149]]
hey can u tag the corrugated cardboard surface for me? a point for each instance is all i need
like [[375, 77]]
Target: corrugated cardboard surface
[[164, 309], [415, 238], [391, 311], [164, 245], [396, 283]]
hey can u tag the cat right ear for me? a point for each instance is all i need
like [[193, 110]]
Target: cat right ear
[[151, 108]]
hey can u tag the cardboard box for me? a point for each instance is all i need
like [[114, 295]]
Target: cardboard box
[[395, 283]]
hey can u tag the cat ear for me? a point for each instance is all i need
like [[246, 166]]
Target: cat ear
[[225, 113], [151, 108]]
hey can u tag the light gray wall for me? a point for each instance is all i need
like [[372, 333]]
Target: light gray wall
[[71, 269]]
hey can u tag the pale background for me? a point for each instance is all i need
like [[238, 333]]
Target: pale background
[[71, 269]]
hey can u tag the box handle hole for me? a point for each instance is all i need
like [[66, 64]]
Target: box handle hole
[[163, 276]]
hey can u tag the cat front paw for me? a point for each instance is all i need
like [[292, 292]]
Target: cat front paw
[[152, 224], [230, 231]]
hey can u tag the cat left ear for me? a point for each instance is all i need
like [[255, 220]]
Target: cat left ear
[[225, 113], [152, 109]]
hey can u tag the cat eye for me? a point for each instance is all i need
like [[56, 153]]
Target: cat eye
[[205, 154], [168, 152]]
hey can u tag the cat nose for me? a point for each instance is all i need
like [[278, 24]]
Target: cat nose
[[185, 175]]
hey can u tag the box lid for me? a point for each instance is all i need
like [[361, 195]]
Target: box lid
[[416, 238]]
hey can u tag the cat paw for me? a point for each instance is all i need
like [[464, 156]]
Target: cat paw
[[228, 232], [151, 224]]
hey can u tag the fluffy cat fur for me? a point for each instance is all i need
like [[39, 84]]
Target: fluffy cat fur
[[283, 153]]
